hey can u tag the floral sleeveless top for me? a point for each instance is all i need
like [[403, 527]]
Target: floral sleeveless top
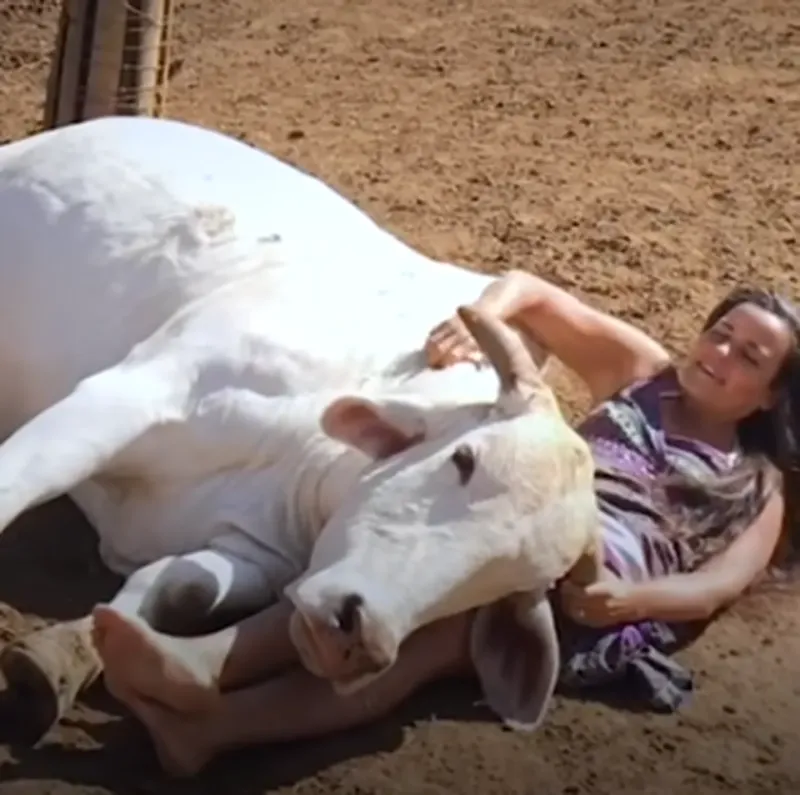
[[631, 452]]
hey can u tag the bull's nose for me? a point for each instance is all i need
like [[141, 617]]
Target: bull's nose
[[339, 638], [348, 616]]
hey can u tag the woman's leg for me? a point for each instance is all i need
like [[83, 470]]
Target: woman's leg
[[296, 705], [186, 674]]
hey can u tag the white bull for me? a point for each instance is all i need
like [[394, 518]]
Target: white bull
[[219, 358]]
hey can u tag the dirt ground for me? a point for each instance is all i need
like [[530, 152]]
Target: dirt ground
[[644, 152]]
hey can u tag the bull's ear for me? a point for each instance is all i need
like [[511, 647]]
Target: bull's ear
[[515, 652], [368, 427]]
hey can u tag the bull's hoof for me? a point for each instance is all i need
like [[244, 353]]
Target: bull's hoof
[[38, 690], [29, 706]]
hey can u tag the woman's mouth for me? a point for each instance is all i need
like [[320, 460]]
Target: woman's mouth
[[708, 372]]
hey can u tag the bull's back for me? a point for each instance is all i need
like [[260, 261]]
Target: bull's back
[[111, 226]]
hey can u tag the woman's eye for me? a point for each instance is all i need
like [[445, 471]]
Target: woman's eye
[[717, 335], [750, 359]]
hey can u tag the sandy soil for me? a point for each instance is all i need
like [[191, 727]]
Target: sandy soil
[[644, 152]]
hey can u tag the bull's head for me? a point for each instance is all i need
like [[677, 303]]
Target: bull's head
[[447, 521]]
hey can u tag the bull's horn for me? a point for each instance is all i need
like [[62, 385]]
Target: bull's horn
[[504, 348]]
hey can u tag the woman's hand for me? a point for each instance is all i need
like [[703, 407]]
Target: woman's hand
[[601, 604], [449, 343]]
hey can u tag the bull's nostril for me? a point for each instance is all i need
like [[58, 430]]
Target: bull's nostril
[[347, 617]]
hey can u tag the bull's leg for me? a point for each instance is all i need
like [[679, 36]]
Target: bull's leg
[[195, 594], [77, 437], [188, 674], [46, 670]]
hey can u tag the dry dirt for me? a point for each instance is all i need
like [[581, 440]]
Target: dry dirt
[[644, 152]]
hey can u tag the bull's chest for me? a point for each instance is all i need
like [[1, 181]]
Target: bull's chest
[[245, 511]]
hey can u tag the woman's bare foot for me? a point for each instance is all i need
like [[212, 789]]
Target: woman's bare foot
[[180, 741], [136, 659]]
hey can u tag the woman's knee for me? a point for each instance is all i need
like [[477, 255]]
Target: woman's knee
[[440, 649]]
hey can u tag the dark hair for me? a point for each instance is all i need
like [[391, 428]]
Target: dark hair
[[717, 511]]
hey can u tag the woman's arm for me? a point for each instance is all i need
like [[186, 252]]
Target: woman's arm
[[702, 593], [681, 597], [605, 352]]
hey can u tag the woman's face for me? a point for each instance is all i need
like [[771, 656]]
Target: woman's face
[[732, 366]]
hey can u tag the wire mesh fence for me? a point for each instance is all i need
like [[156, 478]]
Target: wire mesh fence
[[111, 57], [62, 61]]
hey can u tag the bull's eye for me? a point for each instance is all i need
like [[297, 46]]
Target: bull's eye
[[464, 459]]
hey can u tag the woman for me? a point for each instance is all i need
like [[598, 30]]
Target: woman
[[690, 459]]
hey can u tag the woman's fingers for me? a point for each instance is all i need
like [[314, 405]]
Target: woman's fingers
[[574, 602], [439, 351], [449, 343], [443, 345], [441, 331], [437, 341]]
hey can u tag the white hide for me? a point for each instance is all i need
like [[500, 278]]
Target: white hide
[[177, 312], [259, 293]]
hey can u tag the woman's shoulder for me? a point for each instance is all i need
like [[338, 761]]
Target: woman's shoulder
[[645, 387]]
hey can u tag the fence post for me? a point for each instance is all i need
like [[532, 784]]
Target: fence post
[[106, 56], [111, 57]]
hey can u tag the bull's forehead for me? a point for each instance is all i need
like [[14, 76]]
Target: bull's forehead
[[520, 437], [523, 460]]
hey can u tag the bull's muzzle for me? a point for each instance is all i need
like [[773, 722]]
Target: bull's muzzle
[[342, 645]]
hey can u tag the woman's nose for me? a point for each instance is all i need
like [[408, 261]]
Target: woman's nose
[[721, 352], [724, 347]]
